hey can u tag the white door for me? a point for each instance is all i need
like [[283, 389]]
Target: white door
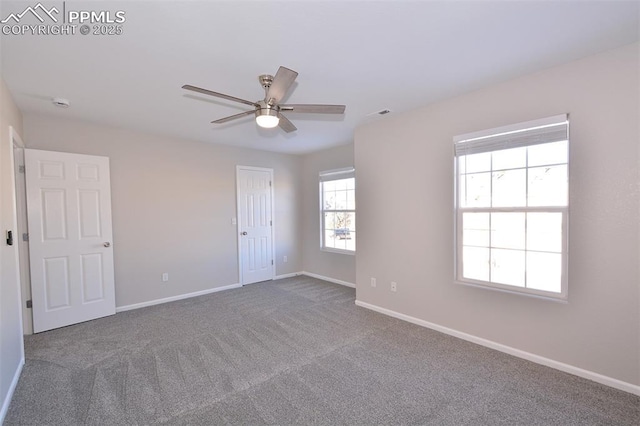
[[255, 224], [70, 250]]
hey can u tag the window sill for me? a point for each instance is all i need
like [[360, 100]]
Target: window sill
[[558, 299], [339, 251]]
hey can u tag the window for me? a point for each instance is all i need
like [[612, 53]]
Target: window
[[338, 210], [512, 206]]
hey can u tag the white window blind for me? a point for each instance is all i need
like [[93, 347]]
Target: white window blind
[[345, 173], [552, 129]]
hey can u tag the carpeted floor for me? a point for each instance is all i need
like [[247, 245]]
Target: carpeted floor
[[294, 351]]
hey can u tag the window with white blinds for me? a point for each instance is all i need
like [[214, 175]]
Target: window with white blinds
[[511, 207], [338, 210]]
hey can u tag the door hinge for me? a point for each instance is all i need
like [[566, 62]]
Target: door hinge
[[20, 169], [269, 183], [272, 261], [29, 304], [271, 222], [25, 236]]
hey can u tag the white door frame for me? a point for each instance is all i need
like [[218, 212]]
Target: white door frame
[[15, 141], [238, 222], [21, 217]]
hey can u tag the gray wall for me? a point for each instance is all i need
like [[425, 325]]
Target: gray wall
[[172, 203], [11, 350], [333, 265], [404, 170]]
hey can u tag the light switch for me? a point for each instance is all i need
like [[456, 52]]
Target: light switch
[[234, 221]]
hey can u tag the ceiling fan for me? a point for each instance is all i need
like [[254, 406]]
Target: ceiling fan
[[269, 111]]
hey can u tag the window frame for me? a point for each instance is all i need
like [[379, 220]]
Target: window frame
[[327, 176], [504, 132]]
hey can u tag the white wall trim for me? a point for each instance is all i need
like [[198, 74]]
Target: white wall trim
[[590, 375], [174, 298], [312, 275], [12, 388], [331, 280], [293, 274]]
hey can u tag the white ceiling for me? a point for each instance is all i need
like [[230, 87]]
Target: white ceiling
[[366, 55]]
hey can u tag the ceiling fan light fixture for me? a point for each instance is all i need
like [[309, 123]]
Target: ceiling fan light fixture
[[267, 118]]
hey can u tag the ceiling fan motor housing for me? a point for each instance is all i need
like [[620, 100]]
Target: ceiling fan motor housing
[[265, 108], [266, 80]]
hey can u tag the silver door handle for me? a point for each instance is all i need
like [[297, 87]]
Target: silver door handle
[[244, 233], [107, 244]]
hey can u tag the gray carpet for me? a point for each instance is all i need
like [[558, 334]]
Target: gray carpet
[[294, 351]]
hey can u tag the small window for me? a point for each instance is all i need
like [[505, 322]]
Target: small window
[[338, 210], [512, 207]]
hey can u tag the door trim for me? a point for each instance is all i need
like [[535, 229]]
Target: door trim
[[238, 209], [23, 246], [15, 141]]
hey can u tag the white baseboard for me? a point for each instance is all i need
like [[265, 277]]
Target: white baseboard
[[174, 298], [293, 274], [590, 375], [227, 287], [331, 280], [10, 391]]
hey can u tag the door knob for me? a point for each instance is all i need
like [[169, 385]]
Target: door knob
[[107, 244], [244, 233]]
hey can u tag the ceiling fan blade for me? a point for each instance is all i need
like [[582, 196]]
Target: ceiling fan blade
[[218, 95], [281, 83], [316, 109], [232, 117], [285, 124]]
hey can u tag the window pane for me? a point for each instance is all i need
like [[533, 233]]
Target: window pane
[[475, 263], [548, 186], [352, 222], [507, 267], [329, 239], [329, 185], [341, 200], [339, 243], [475, 229], [462, 161], [329, 221], [351, 183], [344, 221], [507, 230], [462, 190], [329, 200], [548, 153], [509, 188], [477, 190], [351, 242], [351, 199], [509, 158], [544, 271], [544, 232], [478, 162], [341, 184]]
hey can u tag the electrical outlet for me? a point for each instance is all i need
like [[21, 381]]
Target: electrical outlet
[[285, 260], [165, 277], [373, 282], [394, 286]]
